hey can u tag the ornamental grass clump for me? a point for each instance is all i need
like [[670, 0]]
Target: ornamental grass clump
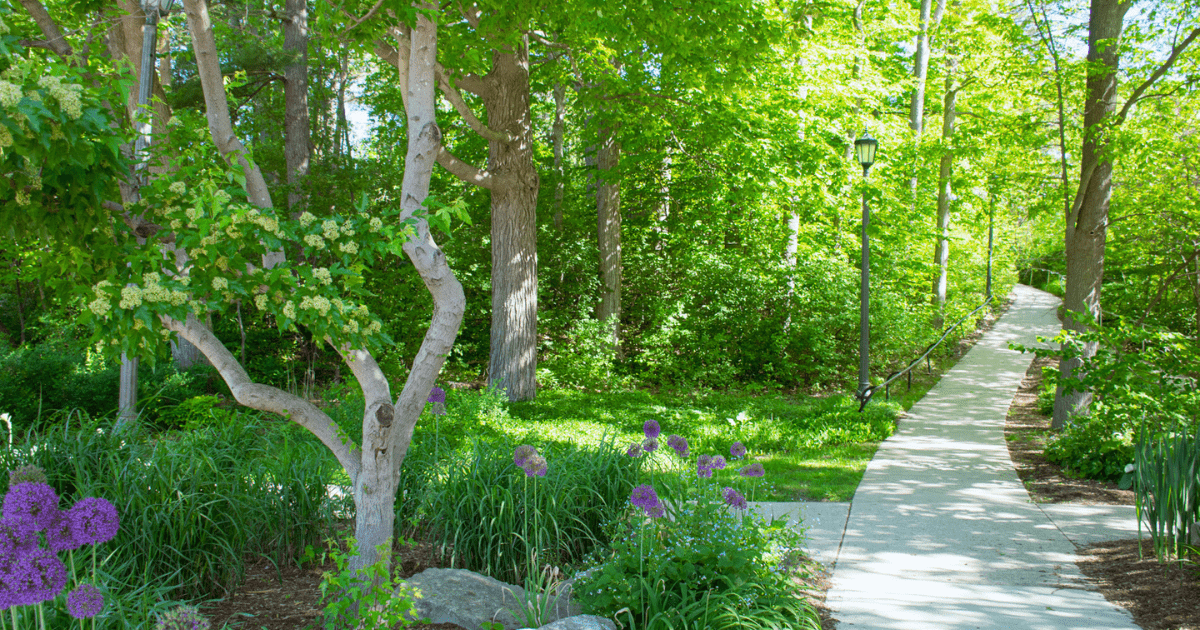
[[690, 554], [32, 574]]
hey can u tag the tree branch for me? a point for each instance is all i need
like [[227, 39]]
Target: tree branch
[[462, 170], [1162, 288], [54, 36], [265, 397], [1157, 74]]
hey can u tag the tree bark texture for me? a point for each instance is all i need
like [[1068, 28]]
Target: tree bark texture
[[1087, 223], [513, 357], [295, 95], [941, 255], [608, 232]]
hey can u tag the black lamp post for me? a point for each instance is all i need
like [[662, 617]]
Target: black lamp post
[[864, 149]]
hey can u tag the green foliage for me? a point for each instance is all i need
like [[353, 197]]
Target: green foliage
[[370, 598], [58, 149], [708, 565], [584, 359], [1138, 376], [54, 376], [490, 516], [195, 505], [1166, 480]]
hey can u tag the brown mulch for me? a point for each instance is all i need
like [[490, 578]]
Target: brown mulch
[[1160, 596], [288, 598]]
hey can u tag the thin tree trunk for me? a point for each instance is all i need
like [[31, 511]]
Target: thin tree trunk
[[916, 110], [1087, 228], [941, 256], [513, 357], [556, 134], [20, 309], [608, 233], [295, 88]]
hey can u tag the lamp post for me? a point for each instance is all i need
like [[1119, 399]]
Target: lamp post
[[864, 149]]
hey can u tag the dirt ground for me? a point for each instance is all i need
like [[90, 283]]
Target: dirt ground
[[1160, 596]]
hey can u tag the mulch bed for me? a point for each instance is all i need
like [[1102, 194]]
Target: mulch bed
[[1160, 596]]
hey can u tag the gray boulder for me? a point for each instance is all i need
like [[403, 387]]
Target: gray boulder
[[580, 622], [468, 599]]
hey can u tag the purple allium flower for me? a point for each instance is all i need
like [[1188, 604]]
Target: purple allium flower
[[183, 618], [436, 395], [650, 445], [634, 450], [35, 577], [753, 470], [85, 601], [535, 466], [60, 535], [655, 512], [26, 474], [32, 503], [651, 429], [737, 450], [93, 521], [734, 499], [718, 463], [16, 538], [644, 497], [704, 472], [704, 466], [522, 453], [679, 443]]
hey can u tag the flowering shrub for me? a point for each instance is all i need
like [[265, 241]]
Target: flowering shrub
[[712, 559]]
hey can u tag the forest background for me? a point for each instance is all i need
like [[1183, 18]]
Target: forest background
[[641, 196]]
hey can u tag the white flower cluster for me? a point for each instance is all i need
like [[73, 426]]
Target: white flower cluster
[[178, 188], [220, 284], [330, 228], [376, 224], [6, 137], [10, 94], [314, 240], [322, 275], [131, 297], [100, 305], [289, 310], [306, 219], [320, 304], [222, 197], [66, 95], [266, 222], [349, 247], [260, 301]]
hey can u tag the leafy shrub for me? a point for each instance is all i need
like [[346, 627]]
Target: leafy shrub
[[584, 359], [53, 376], [1138, 376], [370, 599]]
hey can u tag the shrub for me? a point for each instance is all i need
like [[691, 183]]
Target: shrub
[[1138, 377]]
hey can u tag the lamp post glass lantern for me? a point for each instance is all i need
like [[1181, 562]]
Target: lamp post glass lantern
[[864, 149]]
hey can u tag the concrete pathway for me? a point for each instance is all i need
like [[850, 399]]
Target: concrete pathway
[[941, 534]]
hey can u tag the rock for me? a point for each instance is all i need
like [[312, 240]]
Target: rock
[[580, 622], [468, 599]]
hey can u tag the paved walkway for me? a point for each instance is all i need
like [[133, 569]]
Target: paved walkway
[[941, 534]]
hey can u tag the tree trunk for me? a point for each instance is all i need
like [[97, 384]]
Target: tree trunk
[[556, 135], [916, 110], [941, 256], [1087, 224], [295, 90], [608, 233], [513, 358]]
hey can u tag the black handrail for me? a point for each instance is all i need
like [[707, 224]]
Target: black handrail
[[864, 396]]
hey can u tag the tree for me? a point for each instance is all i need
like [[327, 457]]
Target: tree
[[136, 297], [1087, 220]]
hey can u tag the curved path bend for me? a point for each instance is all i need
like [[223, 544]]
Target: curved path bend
[[941, 534]]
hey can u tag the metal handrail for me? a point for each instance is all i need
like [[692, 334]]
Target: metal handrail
[[864, 396]]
